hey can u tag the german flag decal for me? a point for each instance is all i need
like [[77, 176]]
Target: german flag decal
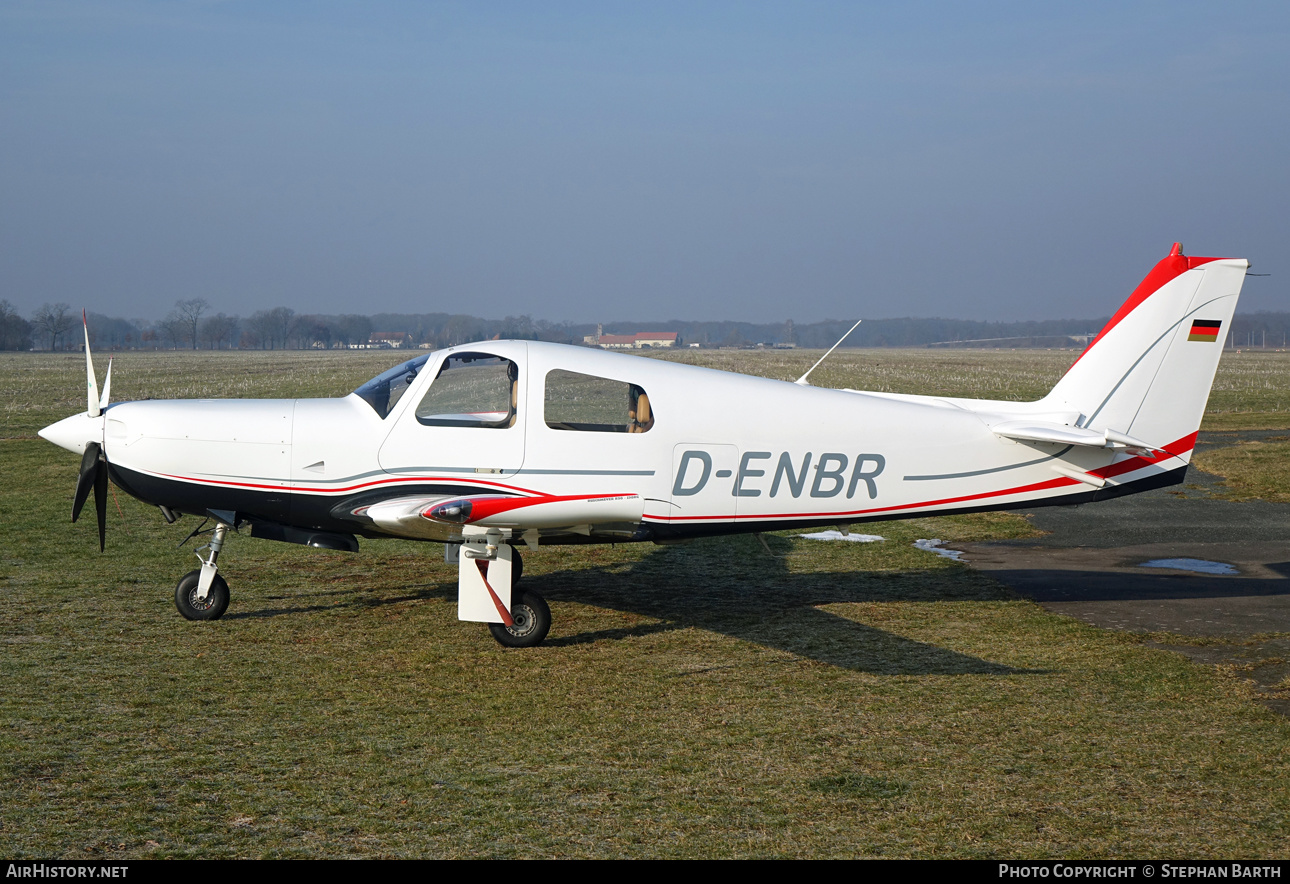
[[1204, 330]]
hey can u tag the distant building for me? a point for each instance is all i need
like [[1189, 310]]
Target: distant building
[[617, 342], [387, 341], [638, 341]]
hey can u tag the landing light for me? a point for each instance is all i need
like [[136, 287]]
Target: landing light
[[455, 511]]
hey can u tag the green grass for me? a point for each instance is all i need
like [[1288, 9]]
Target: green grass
[[708, 700], [1253, 470]]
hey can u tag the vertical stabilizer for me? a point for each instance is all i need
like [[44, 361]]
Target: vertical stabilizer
[[1148, 373]]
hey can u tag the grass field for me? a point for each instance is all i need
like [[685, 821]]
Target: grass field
[[709, 700]]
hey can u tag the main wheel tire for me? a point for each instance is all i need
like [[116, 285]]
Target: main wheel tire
[[191, 607], [532, 622], [517, 567]]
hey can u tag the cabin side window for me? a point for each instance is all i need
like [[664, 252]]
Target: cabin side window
[[472, 390], [590, 404]]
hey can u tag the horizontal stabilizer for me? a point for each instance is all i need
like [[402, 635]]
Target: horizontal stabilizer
[[1060, 434]]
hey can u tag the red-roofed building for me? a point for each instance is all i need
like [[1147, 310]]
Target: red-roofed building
[[638, 341]]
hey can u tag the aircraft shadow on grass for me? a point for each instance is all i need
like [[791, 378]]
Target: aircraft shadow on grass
[[746, 593], [751, 595]]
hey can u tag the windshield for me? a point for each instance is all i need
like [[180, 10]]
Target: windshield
[[383, 391]]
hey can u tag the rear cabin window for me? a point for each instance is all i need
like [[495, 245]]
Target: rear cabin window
[[589, 404], [472, 390]]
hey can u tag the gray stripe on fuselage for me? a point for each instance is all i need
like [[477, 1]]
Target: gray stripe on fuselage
[[413, 472], [1029, 463], [353, 478], [587, 472]]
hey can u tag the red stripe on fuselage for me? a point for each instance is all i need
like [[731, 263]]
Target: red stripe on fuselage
[[1021, 489], [1175, 449]]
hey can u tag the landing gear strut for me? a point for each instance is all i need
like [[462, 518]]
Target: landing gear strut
[[203, 594]]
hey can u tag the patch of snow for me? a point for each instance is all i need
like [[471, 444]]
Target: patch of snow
[[935, 546], [1200, 565], [838, 535]]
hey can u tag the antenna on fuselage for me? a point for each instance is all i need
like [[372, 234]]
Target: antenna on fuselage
[[802, 379]]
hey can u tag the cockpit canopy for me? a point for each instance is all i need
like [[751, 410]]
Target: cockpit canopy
[[474, 389], [384, 391], [470, 390]]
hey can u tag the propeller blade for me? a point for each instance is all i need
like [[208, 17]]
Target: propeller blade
[[91, 385], [88, 476], [107, 388], [100, 501]]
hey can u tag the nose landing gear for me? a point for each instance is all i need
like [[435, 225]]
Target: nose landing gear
[[195, 607], [203, 594]]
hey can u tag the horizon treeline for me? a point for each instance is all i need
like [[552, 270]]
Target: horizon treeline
[[193, 325]]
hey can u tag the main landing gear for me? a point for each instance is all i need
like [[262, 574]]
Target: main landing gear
[[530, 616], [489, 570]]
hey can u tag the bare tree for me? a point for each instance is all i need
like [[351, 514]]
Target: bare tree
[[190, 313], [272, 326], [308, 330], [218, 329], [111, 331], [353, 329], [15, 332], [517, 327], [54, 320], [174, 329]]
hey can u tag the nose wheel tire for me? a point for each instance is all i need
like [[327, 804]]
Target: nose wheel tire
[[210, 608], [532, 622]]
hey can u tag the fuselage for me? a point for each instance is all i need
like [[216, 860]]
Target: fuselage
[[709, 452]]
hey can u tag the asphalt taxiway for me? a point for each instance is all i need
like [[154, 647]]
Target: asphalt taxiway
[[1091, 564]]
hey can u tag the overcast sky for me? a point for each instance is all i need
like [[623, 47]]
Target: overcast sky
[[602, 161]]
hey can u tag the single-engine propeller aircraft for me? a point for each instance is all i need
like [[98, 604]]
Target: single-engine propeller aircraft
[[492, 446]]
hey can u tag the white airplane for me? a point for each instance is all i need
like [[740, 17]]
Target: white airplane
[[489, 446]]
